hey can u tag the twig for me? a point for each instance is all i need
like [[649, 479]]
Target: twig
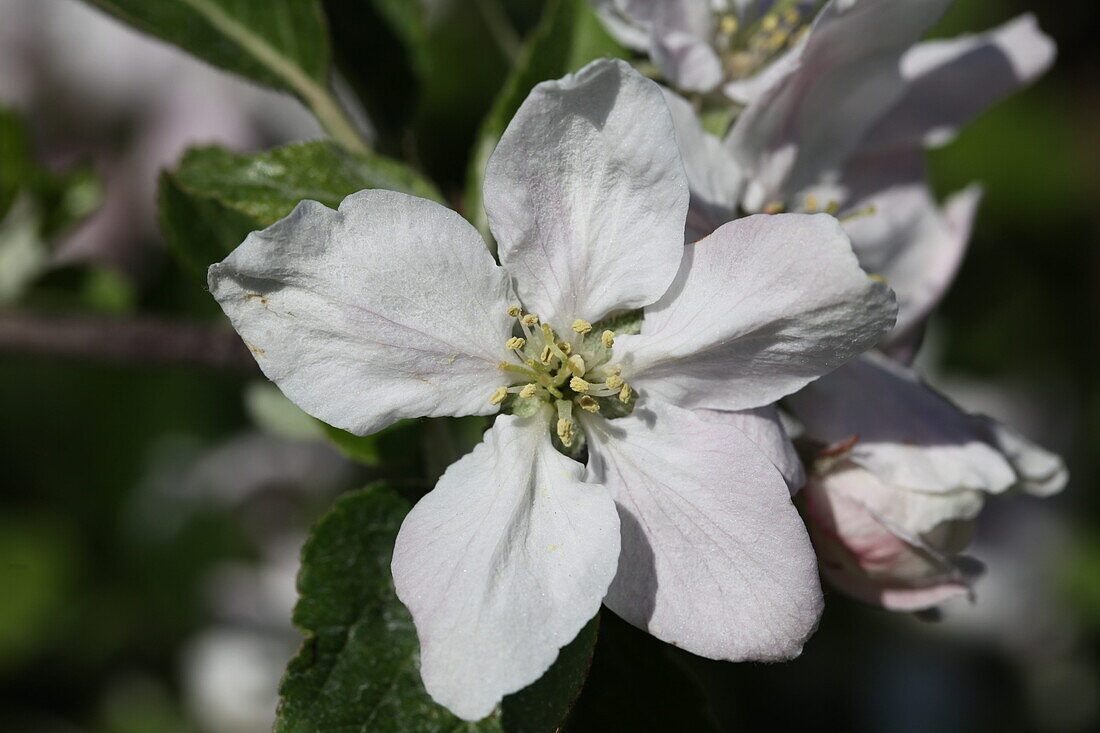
[[131, 341]]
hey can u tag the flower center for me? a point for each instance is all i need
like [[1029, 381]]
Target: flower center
[[747, 48], [577, 371]]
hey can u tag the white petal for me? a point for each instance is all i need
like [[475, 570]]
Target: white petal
[[502, 564], [680, 35], [713, 176], [907, 239], [909, 435], [847, 77], [952, 81], [759, 308], [714, 556], [389, 308], [586, 195], [1039, 472], [764, 428]]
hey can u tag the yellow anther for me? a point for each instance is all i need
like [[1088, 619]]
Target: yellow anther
[[576, 365], [614, 381], [578, 385], [515, 311], [530, 320], [811, 204], [775, 207], [832, 208], [791, 17], [581, 326], [877, 278], [565, 431], [770, 23], [498, 396], [626, 394], [547, 355], [728, 25], [528, 390], [589, 404], [516, 343], [615, 369], [607, 338], [565, 347]]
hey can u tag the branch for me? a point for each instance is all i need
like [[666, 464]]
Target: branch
[[129, 341]]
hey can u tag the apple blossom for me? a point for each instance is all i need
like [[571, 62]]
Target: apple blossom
[[904, 472], [392, 307]]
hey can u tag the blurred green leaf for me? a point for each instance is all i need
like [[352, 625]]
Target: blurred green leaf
[[216, 197], [358, 668], [375, 449], [281, 43], [568, 37]]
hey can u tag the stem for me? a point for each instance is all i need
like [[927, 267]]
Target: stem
[[501, 29], [143, 342], [316, 96]]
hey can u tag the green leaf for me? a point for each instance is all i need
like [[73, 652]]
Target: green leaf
[[569, 36], [216, 197], [358, 668], [281, 43]]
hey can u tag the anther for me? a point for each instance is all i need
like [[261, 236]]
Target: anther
[[565, 431], [530, 320], [607, 338], [775, 207], [770, 23], [581, 326], [728, 25], [528, 390], [589, 404], [576, 365], [565, 347], [516, 343], [547, 355], [615, 382], [578, 385], [811, 204], [498, 396], [515, 311], [626, 394]]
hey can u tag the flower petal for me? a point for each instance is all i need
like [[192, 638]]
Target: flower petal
[[586, 195], [714, 556], [763, 427], [759, 308], [680, 34], [502, 564], [713, 176], [389, 308], [1039, 472], [909, 435], [950, 82], [847, 78]]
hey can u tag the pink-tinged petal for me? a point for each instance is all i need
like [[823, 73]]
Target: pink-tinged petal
[[390, 307], [950, 82], [713, 176], [715, 558], [586, 195], [909, 435], [869, 558], [847, 77], [759, 308], [763, 427], [502, 564]]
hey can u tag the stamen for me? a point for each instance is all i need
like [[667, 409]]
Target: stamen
[[515, 311], [565, 347], [578, 385], [498, 396], [770, 23], [626, 394], [728, 25], [517, 369], [615, 382], [589, 404], [530, 320], [775, 207], [607, 338], [832, 208], [811, 204], [576, 365], [547, 355], [565, 423], [529, 390], [581, 326], [516, 343]]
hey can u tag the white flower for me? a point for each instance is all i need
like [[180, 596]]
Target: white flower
[[392, 307], [839, 124], [890, 514]]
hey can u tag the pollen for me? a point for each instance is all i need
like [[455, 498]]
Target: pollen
[[589, 404], [578, 385], [581, 326], [498, 396], [565, 431], [528, 391], [626, 394], [515, 311], [615, 382], [530, 320], [516, 343], [607, 338]]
